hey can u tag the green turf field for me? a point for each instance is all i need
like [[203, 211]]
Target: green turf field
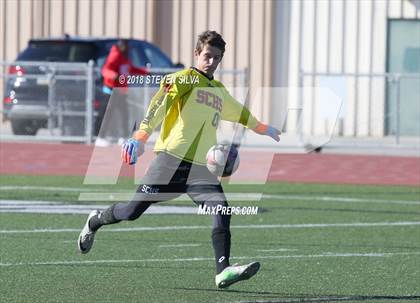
[[316, 243]]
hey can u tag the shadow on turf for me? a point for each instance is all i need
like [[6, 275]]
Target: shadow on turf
[[259, 293], [303, 298]]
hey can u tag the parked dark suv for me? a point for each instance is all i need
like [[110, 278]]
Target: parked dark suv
[[26, 99]]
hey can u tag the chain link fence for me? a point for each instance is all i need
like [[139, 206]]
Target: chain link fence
[[49, 101]]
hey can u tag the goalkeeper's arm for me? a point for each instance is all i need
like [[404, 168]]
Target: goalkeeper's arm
[[160, 103], [156, 111]]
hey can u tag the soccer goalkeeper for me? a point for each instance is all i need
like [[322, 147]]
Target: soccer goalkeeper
[[189, 104]]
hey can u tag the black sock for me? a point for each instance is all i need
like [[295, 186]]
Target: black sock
[[221, 246], [104, 218]]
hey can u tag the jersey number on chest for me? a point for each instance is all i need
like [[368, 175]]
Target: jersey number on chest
[[211, 100]]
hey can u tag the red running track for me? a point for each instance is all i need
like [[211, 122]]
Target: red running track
[[79, 159]]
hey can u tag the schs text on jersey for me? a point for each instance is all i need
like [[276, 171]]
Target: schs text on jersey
[[209, 99]]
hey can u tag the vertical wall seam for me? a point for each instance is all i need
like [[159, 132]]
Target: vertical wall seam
[[262, 68], [146, 13], [235, 40], [179, 31], [49, 19], [90, 16], [131, 19], [356, 63], [31, 18], [372, 32], [385, 127], [118, 19], [193, 31], [300, 40], [103, 17], [42, 18], [4, 31], [18, 25], [329, 28], [401, 9], [314, 64], [63, 17], [249, 42], [263, 44], [77, 18], [221, 65], [300, 79], [343, 37], [207, 14]]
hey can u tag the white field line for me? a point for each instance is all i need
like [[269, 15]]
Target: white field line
[[95, 194], [113, 261], [28, 203], [276, 250], [179, 245], [340, 199], [195, 227], [52, 207], [49, 188]]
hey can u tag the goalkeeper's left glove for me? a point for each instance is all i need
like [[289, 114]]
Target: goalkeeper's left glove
[[268, 130]]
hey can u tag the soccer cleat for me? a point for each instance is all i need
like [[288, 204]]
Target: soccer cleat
[[87, 236], [236, 273]]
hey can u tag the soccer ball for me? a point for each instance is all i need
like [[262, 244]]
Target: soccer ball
[[222, 160]]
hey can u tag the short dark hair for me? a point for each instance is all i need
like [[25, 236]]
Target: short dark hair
[[211, 38]]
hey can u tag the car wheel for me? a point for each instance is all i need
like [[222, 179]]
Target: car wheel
[[24, 127]]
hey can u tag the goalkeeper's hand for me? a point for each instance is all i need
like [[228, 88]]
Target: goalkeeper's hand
[[268, 130], [134, 147], [131, 150], [273, 133]]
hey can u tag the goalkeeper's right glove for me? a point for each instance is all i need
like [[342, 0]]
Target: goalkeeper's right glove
[[134, 147]]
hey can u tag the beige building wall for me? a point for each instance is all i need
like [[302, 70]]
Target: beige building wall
[[247, 27], [86, 18], [262, 36]]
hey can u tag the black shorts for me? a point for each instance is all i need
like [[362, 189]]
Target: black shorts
[[169, 177]]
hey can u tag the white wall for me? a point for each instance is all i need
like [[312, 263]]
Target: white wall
[[343, 36]]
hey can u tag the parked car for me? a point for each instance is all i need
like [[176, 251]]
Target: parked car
[[26, 98]]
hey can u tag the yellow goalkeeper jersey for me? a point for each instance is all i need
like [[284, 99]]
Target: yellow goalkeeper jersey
[[189, 105]]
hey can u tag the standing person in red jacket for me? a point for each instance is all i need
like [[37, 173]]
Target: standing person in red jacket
[[115, 71]]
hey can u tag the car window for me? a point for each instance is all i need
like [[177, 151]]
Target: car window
[[155, 57], [136, 57], [58, 51], [134, 54]]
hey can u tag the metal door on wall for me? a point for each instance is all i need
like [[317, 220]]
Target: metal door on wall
[[403, 57]]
